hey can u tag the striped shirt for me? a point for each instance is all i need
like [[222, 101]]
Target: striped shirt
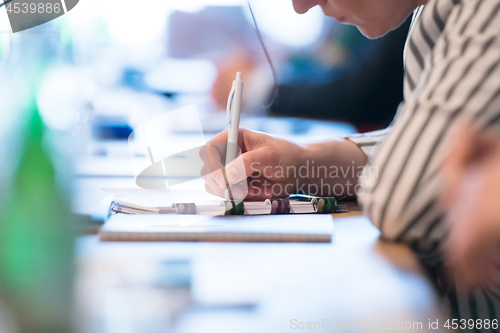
[[452, 62]]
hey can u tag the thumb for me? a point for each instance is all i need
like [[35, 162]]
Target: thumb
[[245, 165]]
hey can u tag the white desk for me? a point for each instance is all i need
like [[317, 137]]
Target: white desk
[[253, 287]]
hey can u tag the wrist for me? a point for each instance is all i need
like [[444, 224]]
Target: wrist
[[309, 158], [331, 162]]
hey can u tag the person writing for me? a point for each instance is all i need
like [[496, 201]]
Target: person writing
[[452, 74]]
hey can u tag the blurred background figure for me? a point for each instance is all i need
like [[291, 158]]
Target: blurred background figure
[[330, 71], [347, 78]]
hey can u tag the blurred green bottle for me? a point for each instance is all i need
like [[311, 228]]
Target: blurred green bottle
[[36, 240]]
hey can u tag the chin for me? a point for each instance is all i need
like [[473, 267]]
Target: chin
[[380, 30], [374, 32]]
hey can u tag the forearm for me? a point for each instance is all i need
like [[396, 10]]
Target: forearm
[[332, 168]]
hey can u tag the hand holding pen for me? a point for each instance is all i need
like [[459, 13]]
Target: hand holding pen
[[234, 155], [255, 170], [269, 167]]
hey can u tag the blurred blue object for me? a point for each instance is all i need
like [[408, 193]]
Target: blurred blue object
[[133, 78], [174, 273], [108, 128]]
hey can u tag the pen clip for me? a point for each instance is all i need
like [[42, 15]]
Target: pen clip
[[229, 102]]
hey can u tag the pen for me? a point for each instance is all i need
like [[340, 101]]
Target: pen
[[233, 120]]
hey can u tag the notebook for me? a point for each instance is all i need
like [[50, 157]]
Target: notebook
[[264, 228], [154, 202]]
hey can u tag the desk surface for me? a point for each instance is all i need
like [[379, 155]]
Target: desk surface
[[125, 287], [211, 287], [228, 287]]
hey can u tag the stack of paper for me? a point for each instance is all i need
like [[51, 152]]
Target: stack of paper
[[139, 201]]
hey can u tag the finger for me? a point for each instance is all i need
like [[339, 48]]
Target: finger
[[208, 188], [469, 243], [260, 189], [216, 192], [217, 175], [243, 133], [239, 191], [221, 143], [248, 163], [212, 170], [212, 184], [215, 178], [473, 266], [484, 143], [210, 154], [460, 142], [259, 193], [205, 171], [459, 152], [219, 178]]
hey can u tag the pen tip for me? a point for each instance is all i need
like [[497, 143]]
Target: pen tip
[[238, 76]]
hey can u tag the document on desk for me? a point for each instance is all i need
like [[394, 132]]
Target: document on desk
[[263, 229], [140, 201]]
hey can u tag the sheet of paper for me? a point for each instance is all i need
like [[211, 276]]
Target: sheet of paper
[[142, 197]]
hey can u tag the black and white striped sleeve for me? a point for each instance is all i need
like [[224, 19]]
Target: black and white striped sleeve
[[460, 80], [367, 142]]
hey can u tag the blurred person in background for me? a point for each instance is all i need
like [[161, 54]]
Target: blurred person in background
[[350, 78], [321, 81], [471, 195], [452, 73], [225, 37]]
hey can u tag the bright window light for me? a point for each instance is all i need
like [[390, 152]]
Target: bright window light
[[278, 20]]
